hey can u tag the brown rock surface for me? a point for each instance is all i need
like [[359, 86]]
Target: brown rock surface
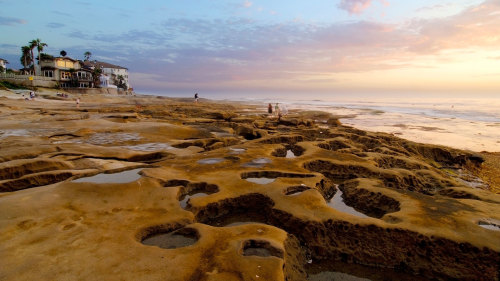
[[147, 188]]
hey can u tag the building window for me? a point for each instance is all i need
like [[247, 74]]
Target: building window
[[48, 73], [65, 75], [83, 75]]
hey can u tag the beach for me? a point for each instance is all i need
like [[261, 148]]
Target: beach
[[143, 187]]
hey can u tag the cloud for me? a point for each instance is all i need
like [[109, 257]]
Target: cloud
[[358, 6], [213, 53], [247, 4], [354, 6], [55, 25], [11, 21]]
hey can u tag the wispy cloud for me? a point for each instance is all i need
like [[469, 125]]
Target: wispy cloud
[[247, 4], [11, 21], [354, 6], [55, 25], [358, 6]]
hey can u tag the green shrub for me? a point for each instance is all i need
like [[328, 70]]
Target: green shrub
[[9, 85]]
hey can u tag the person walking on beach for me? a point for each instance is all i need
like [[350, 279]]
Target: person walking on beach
[[196, 98], [77, 102], [270, 109], [277, 109]]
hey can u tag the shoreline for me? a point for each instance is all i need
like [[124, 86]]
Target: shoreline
[[488, 175]]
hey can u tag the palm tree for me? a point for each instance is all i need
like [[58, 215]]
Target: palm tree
[[63, 53], [39, 48], [32, 45], [87, 55], [26, 58], [39, 45]]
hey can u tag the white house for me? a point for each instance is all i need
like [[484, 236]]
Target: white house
[[3, 63], [110, 73]]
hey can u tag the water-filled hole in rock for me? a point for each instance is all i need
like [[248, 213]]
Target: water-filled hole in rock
[[337, 203], [289, 151], [261, 248], [184, 199], [338, 270], [490, 226], [261, 180], [237, 150], [172, 240], [149, 147], [290, 154], [190, 190], [210, 161], [257, 163], [121, 177], [296, 190]]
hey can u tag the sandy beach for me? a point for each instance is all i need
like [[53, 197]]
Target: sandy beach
[[156, 188]]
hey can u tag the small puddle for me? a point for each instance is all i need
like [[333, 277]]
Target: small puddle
[[466, 178], [337, 203], [290, 154], [237, 150], [337, 270], [490, 226], [121, 177], [173, 240], [210, 161], [296, 190], [110, 138], [261, 248], [257, 163], [261, 180], [149, 147], [183, 200]]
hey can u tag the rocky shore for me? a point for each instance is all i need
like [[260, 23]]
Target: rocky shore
[[153, 188]]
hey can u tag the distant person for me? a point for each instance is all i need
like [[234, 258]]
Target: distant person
[[32, 95], [77, 102], [277, 109], [270, 109], [196, 98]]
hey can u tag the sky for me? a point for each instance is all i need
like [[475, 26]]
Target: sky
[[272, 46]]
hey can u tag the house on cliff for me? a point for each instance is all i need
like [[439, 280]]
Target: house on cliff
[[114, 75], [71, 73], [68, 72]]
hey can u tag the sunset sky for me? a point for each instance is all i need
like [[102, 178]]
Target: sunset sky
[[358, 46]]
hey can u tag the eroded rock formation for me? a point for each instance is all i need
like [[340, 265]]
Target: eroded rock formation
[[160, 189]]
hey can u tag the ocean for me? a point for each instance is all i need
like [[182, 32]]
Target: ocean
[[459, 122]]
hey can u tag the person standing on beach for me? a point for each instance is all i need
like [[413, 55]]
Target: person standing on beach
[[277, 109], [196, 98], [270, 109], [77, 102]]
